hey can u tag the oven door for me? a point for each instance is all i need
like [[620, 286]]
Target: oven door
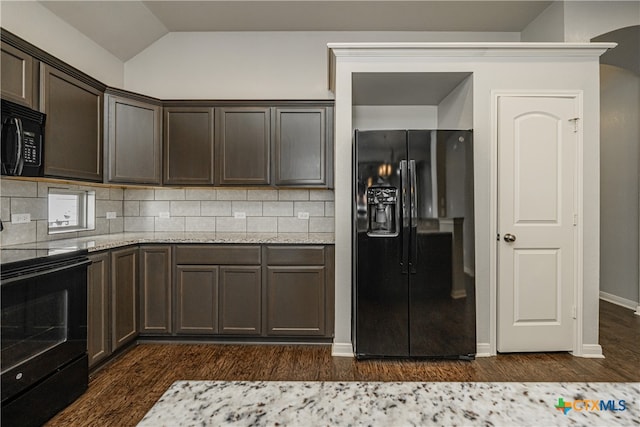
[[44, 323]]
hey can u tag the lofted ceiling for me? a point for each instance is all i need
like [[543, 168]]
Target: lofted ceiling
[[125, 28]]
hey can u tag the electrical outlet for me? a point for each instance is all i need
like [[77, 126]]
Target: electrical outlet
[[164, 215], [239, 215], [303, 215], [20, 218], [111, 215]]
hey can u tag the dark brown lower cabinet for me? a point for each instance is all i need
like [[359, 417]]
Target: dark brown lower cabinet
[[254, 290], [299, 290], [124, 296], [296, 300], [99, 308], [212, 290], [218, 289], [155, 290], [240, 300], [196, 299]]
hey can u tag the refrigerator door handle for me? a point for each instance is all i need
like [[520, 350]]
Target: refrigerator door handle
[[413, 252], [404, 181]]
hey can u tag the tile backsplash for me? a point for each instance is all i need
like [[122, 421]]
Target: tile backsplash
[[229, 210], [21, 197], [170, 209]]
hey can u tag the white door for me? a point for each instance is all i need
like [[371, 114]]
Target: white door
[[537, 156]]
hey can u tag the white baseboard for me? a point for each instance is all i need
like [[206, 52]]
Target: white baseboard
[[591, 351], [483, 349], [637, 313], [623, 302], [339, 349]]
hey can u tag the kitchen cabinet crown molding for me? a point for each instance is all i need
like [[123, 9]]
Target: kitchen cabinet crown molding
[[42, 56], [133, 96], [247, 103]]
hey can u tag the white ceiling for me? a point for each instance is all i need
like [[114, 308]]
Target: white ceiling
[[125, 28]]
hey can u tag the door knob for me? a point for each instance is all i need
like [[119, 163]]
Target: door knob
[[509, 238]]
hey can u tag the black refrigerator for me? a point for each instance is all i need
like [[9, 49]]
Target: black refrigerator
[[413, 235]]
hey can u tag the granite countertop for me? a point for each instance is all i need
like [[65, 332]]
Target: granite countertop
[[109, 241], [272, 403]]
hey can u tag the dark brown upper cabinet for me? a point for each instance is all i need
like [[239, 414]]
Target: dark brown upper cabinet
[[188, 146], [243, 145], [19, 76], [303, 147], [134, 141], [73, 133]]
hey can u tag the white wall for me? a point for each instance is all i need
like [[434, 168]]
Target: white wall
[[547, 27], [39, 26], [580, 21], [489, 74], [255, 65], [583, 20], [380, 117], [455, 111]]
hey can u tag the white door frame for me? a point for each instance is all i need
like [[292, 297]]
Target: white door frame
[[579, 235]]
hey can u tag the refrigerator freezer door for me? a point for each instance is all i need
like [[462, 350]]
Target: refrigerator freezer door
[[381, 290]]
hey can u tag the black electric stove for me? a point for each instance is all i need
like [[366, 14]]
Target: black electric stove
[[43, 350], [25, 258]]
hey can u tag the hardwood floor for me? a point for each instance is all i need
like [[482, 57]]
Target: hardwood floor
[[121, 393]]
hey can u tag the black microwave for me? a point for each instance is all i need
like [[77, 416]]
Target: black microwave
[[22, 151]]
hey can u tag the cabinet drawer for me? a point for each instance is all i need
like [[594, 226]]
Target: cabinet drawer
[[295, 255], [218, 254]]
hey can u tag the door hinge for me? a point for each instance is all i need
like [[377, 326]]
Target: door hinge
[[575, 219], [575, 124], [573, 312]]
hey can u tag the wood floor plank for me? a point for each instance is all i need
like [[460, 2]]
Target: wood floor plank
[[122, 392]]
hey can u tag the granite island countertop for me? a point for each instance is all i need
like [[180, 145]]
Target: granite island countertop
[[326, 403], [110, 241]]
